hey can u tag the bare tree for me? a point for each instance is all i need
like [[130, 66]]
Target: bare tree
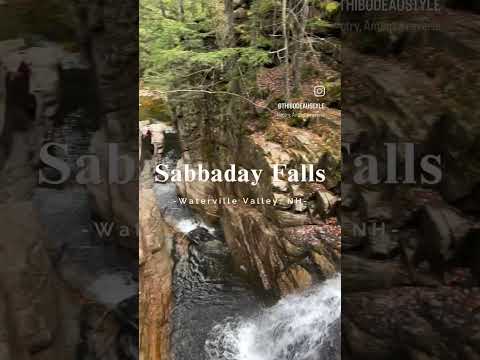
[[229, 26], [299, 42], [286, 44], [161, 5], [181, 10]]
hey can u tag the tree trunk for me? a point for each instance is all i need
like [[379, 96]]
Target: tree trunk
[[286, 44], [161, 5], [181, 10], [298, 58], [193, 8], [229, 26]]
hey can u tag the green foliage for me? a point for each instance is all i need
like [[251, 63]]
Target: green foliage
[[309, 72], [172, 49], [264, 7], [320, 26], [332, 8], [329, 8], [333, 93], [264, 42]]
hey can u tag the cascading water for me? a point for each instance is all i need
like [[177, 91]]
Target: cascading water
[[91, 264], [205, 288], [298, 327], [217, 316]]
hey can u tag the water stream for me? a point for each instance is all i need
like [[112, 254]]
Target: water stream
[[298, 327], [99, 269], [205, 288]]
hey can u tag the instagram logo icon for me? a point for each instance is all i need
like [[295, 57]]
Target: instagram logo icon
[[319, 91]]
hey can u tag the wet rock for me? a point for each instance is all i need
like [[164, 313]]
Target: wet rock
[[354, 232], [199, 190], [254, 243], [294, 279], [156, 278], [200, 235], [293, 250], [253, 233], [388, 310], [215, 248], [324, 265], [315, 242]]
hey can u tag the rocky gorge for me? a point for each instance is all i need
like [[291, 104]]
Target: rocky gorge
[[286, 244], [250, 245], [243, 255]]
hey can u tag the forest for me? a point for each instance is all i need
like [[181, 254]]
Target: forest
[[185, 39]]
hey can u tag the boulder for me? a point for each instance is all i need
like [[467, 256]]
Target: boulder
[[31, 294], [240, 13], [294, 279], [325, 203], [254, 243]]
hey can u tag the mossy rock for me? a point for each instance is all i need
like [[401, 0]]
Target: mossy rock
[[332, 9], [153, 108]]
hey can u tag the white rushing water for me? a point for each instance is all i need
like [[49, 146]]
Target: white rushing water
[[298, 327], [176, 214]]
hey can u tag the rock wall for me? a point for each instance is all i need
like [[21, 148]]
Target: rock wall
[[108, 32], [155, 284], [38, 312], [286, 247]]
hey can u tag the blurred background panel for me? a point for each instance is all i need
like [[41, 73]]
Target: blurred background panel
[[410, 214], [68, 179]]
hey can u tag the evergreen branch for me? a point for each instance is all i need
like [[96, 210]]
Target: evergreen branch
[[221, 93]]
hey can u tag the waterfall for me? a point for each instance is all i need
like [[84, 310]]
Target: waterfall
[[299, 327]]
